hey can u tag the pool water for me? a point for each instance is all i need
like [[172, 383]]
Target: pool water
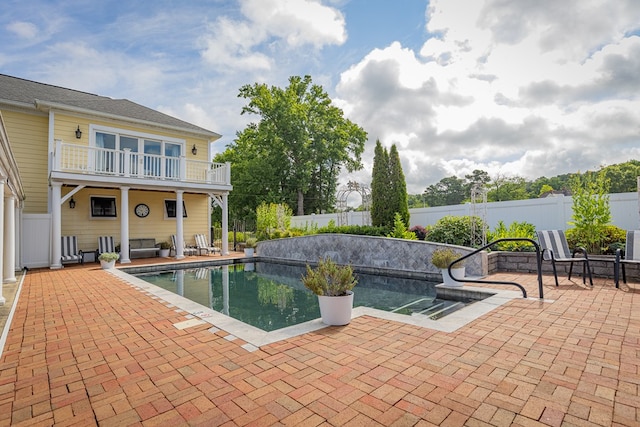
[[271, 296]]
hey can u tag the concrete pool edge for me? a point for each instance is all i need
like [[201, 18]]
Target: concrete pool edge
[[256, 338]]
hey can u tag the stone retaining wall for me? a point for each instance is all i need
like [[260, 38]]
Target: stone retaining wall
[[525, 262], [380, 255], [368, 254]]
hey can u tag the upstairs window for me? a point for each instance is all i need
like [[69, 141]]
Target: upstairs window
[[150, 155]]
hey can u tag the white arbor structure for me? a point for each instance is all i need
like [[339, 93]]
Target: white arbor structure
[[478, 209], [343, 195]]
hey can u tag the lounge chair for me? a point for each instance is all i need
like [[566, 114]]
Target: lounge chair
[[631, 255], [186, 250], [203, 245], [105, 244], [556, 249], [70, 251]]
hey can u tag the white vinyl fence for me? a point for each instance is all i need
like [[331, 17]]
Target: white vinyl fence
[[548, 213], [35, 240]]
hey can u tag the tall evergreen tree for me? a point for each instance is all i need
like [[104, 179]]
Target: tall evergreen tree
[[380, 181], [400, 199], [388, 188]]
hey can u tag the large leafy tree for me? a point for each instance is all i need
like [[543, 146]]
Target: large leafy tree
[[504, 188], [295, 152], [448, 191], [623, 177]]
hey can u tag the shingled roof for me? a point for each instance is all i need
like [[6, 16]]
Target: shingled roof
[[30, 94]]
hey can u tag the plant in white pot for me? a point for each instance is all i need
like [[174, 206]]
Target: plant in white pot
[[249, 246], [332, 284], [165, 249], [108, 259], [441, 258]]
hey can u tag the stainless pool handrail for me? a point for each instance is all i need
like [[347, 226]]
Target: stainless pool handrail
[[497, 282]]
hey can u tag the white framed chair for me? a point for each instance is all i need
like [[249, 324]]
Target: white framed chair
[[186, 250], [203, 245], [556, 249], [105, 244], [631, 255], [70, 251]]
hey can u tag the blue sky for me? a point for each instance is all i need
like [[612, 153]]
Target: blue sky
[[510, 87]]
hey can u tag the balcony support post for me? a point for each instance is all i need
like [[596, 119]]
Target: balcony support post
[[183, 168], [179, 226], [127, 162], [124, 226], [56, 225]]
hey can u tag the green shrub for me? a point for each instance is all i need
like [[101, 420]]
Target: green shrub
[[517, 230], [609, 239], [360, 230], [591, 211], [454, 230], [400, 230], [329, 279]]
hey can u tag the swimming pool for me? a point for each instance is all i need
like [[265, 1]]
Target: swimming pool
[[271, 296]]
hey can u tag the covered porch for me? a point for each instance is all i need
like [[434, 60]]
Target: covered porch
[[124, 181]]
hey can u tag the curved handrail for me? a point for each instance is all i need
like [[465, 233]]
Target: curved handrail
[[496, 282]]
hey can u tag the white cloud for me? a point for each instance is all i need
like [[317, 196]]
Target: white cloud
[[511, 87], [299, 22], [518, 89], [270, 26], [24, 30]]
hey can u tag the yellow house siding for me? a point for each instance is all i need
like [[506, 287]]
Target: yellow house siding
[[78, 221], [28, 138]]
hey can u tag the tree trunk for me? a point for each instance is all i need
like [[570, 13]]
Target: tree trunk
[[300, 203]]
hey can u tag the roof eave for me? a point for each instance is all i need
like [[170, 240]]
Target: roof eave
[[47, 105]]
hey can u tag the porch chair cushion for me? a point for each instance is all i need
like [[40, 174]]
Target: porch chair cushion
[[70, 251], [186, 250], [105, 244], [631, 255], [556, 249], [203, 245]]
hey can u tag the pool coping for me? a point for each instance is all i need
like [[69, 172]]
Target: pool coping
[[256, 338]]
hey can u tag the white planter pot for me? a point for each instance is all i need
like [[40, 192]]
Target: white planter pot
[[458, 273], [107, 264], [248, 252], [336, 311], [164, 253]]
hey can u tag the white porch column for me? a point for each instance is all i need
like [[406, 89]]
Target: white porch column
[[179, 226], [124, 226], [56, 226], [18, 238], [225, 224], [3, 300], [9, 242]]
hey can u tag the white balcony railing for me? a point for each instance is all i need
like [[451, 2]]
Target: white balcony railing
[[82, 159]]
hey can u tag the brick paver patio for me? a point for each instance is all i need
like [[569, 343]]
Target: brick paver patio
[[87, 349]]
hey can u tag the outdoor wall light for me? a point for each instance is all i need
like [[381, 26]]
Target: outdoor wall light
[[72, 203], [78, 132], [194, 150]]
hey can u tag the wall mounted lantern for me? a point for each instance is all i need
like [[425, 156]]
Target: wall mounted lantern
[[72, 203], [78, 132], [194, 150]]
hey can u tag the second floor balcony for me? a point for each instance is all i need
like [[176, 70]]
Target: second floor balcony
[[126, 165]]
